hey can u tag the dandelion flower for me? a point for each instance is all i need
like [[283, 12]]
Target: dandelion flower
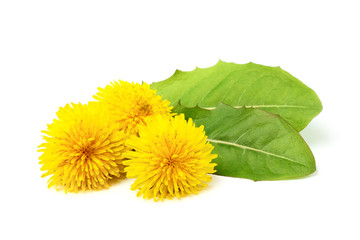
[[82, 149], [131, 104], [172, 158]]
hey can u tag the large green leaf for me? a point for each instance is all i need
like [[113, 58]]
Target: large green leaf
[[243, 85], [252, 143]]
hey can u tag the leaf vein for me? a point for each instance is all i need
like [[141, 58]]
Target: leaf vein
[[263, 106], [255, 150]]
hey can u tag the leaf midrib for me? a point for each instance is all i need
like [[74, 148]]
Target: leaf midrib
[[254, 149], [261, 106]]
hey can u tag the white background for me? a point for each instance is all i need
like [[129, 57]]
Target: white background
[[57, 52]]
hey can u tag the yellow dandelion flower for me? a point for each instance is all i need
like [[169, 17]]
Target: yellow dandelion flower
[[130, 104], [82, 149], [172, 158]]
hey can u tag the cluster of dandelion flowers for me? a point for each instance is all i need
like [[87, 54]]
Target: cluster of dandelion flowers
[[171, 158], [83, 149], [131, 103]]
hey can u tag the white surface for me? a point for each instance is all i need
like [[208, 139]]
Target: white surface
[[56, 52]]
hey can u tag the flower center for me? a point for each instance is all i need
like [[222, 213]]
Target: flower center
[[171, 161], [84, 149], [145, 109]]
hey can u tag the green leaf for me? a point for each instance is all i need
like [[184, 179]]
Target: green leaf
[[252, 143], [243, 85]]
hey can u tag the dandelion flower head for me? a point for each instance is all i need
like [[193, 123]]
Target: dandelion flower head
[[171, 158], [131, 103], [82, 149]]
